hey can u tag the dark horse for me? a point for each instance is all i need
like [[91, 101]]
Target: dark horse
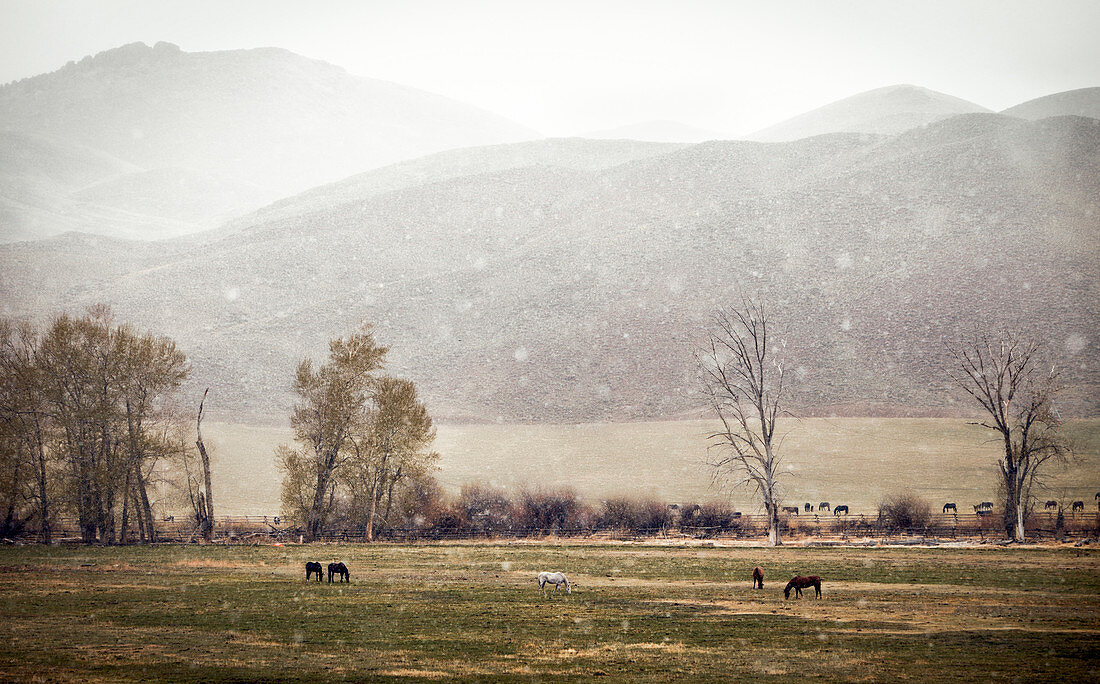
[[800, 583], [312, 567], [950, 507], [340, 570], [840, 510], [758, 577]]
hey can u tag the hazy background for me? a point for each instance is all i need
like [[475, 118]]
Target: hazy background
[[567, 68]]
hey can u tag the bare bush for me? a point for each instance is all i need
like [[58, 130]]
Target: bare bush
[[622, 513], [904, 511], [485, 509], [557, 509], [715, 517]]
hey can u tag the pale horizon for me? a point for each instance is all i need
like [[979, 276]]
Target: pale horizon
[[569, 69]]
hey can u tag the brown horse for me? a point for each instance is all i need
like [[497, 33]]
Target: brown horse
[[314, 567], [758, 577], [799, 583]]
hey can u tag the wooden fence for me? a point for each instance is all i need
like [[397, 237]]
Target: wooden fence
[[270, 528]]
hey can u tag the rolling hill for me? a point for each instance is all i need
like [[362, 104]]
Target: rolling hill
[[1080, 102], [883, 111], [548, 291]]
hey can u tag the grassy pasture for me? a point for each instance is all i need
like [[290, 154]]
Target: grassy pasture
[[472, 611], [853, 461]]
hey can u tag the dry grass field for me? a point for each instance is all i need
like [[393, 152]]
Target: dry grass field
[[473, 611], [853, 461]]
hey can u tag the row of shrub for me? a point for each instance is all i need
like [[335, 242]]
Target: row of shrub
[[485, 509]]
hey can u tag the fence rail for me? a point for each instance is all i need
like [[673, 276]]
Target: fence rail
[[256, 528]]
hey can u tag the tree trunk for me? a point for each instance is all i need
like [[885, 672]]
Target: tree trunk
[[145, 509], [46, 532], [207, 524]]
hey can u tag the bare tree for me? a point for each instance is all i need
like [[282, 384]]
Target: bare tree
[[1005, 378], [203, 502], [744, 383]]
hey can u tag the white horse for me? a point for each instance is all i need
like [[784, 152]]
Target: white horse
[[555, 578]]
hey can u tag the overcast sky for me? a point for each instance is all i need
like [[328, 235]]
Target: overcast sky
[[564, 67]]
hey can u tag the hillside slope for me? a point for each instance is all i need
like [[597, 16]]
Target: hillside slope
[[546, 293]]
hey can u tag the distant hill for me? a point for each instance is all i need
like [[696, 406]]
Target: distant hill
[[568, 153], [234, 130], [883, 111], [578, 292], [1081, 102], [657, 131]]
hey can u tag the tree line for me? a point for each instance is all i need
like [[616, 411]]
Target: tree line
[[91, 424], [86, 425]]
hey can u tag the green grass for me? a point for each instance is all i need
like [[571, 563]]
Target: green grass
[[853, 461], [473, 611]]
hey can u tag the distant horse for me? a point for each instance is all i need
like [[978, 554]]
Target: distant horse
[[986, 505], [339, 570], [555, 578], [790, 509], [758, 577], [823, 506], [1078, 506], [840, 510], [809, 507], [800, 583], [1050, 504], [950, 507], [313, 567]]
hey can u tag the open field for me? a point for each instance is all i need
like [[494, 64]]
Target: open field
[[853, 461], [636, 613]]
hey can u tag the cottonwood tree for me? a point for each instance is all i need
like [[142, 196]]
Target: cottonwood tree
[[391, 444], [332, 400], [104, 388], [744, 383], [25, 460], [1008, 380]]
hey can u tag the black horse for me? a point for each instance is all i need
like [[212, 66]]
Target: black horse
[[823, 506], [800, 583], [840, 510], [950, 507], [1078, 506], [314, 567], [340, 570]]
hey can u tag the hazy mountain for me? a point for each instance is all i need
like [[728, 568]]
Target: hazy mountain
[[557, 293], [883, 111], [234, 130], [656, 131], [1081, 102]]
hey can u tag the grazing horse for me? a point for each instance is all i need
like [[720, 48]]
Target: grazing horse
[[758, 577], [950, 507], [340, 570], [790, 509], [986, 505], [823, 506], [313, 567], [1078, 506], [555, 578], [809, 507], [1050, 504], [800, 583], [840, 509]]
